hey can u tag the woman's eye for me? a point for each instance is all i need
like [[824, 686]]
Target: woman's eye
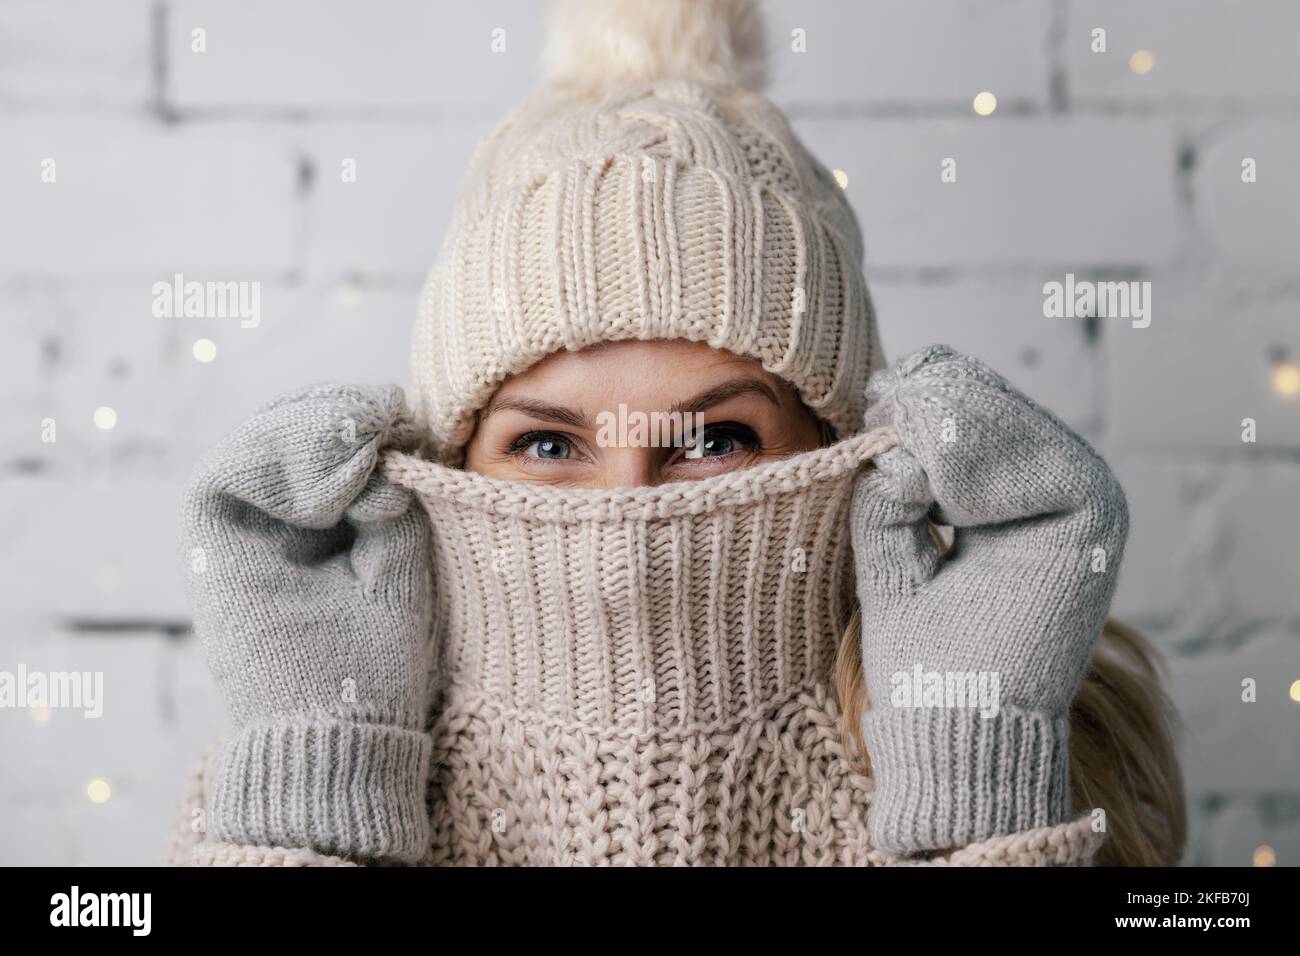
[[542, 445], [722, 440]]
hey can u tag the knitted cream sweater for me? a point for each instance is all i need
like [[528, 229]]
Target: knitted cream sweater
[[643, 677]]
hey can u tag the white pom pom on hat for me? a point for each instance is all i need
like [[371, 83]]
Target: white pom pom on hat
[[595, 45], [647, 191]]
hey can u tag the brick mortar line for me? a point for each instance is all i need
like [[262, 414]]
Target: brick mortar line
[[169, 113]]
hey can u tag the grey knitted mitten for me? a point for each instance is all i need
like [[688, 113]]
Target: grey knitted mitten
[[311, 583], [972, 660]]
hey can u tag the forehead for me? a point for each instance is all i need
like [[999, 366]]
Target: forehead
[[634, 371]]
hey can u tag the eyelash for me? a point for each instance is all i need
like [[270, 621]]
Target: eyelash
[[743, 434], [526, 440]]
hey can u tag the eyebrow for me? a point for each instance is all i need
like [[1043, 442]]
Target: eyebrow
[[720, 393], [577, 418]]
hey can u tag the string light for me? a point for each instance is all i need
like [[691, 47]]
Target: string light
[[1295, 691], [841, 177], [205, 350], [105, 418], [1264, 856], [984, 103], [1141, 62], [1286, 379], [99, 791]]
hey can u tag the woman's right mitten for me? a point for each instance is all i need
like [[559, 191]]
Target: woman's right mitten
[[310, 576], [972, 661]]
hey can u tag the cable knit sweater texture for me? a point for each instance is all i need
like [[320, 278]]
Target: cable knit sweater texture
[[641, 677]]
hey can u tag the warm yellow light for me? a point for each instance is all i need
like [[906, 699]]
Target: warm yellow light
[[98, 790], [205, 350], [1264, 856], [105, 418], [1286, 379], [1141, 62], [984, 103], [1295, 691], [841, 177], [41, 715]]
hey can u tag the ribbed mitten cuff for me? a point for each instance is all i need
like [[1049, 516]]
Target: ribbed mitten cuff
[[335, 786], [946, 777]]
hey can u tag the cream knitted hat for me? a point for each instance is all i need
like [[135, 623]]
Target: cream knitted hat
[[647, 191]]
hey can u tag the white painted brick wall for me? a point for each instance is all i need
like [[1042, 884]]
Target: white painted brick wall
[[133, 196], [75, 54], [1235, 749], [225, 165], [1208, 53], [389, 219], [1255, 223], [1204, 364], [1029, 190], [394, 56], [998, 319], [903, 54]]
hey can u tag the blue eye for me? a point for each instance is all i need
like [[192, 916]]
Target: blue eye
[[550, 448], [722, 440], [544, 445], [718, 445]]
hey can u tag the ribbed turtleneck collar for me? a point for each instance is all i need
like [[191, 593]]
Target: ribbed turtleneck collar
[[688, 605]]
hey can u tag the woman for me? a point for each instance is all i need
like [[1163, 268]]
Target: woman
[[497, 630]]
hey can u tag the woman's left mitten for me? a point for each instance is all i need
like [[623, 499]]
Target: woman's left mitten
[[972, 660], [311, 583]]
